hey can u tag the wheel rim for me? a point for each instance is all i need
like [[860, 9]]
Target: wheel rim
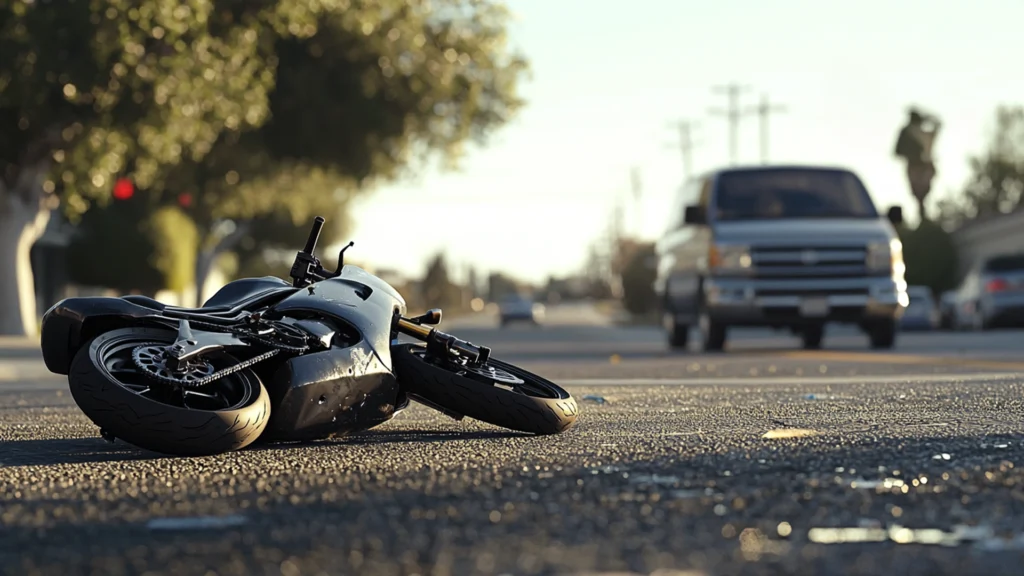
[[114, 358], [704, 321], [498, 375]]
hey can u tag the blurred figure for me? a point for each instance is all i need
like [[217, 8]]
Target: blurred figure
[[914, 145]]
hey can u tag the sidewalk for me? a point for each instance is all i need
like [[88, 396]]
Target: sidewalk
[[21, 360]]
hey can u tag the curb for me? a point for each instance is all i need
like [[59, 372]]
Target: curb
[[18, 370]]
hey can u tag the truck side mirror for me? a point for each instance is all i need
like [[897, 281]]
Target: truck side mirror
[[695, 215], [895, 215]]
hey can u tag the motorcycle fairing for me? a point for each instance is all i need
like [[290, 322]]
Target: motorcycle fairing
[[358, 298], [330, 393], [72, 322], [350, 386]]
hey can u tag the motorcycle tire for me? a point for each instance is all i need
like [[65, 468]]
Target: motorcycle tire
[[228, 414], [538, 407]]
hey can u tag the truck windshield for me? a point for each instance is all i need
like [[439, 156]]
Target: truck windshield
[[791, 193]]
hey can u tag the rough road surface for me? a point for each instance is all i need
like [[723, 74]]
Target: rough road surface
[[761, 460]]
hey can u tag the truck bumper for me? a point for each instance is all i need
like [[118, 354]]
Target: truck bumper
[[785, 302]]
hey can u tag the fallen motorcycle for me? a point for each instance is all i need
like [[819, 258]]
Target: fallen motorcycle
[[266, 359]]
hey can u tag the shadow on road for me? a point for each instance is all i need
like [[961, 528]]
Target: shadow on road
[[67, 451], [95, 450], [374, 437]]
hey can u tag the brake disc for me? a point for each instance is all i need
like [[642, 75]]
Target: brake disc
[[492, 373]]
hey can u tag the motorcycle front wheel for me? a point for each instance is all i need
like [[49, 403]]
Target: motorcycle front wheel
[[227, 414], [497, 392]]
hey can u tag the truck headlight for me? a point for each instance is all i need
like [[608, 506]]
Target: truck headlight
[[886, 257], [729, 257]]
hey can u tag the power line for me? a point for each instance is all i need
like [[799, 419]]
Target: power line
[[732, 114], [765, 109], [686, 143]]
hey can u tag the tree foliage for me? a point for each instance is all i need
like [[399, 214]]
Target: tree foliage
[[436, 288], [997, 175], [378, 86], [930, 256], [129, 246], [257, 111], [996, 183], [638, 274], [116, 87]]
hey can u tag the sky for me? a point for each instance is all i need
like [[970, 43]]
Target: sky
[[607, 80]]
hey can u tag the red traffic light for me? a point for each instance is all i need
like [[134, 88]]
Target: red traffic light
[[123, 189]]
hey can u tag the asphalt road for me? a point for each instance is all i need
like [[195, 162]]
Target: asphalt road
[[761, 460]]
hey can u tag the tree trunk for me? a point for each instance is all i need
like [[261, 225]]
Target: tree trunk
[[206, 257], [21, 224]]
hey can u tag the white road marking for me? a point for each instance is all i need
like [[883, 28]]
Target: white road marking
[[794, 381]]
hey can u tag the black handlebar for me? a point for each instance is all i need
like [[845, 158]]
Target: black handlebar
[[314, 235]]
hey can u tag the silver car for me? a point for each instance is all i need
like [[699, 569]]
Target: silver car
[[793, 247], [947, 310], [519, 308], [992, 294], [921, 312]]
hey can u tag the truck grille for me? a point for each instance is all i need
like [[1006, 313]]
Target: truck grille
[[780, 262]]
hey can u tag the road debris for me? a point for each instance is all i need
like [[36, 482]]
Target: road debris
[[196, 523]]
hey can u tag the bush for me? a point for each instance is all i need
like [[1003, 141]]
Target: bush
[[638, 275], [174, 238], [930, 256], [128, 247]]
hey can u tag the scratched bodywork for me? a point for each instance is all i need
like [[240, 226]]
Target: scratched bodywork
[[357, 298], [331, 393], [351, 386]]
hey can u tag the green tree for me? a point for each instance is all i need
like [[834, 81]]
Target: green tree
[[436, 288], [133, 246], [377, 88], [93, 90], [357, 90], [996, 183], [997, 175], [930, 256], [500, 285], [995, 186], [638, 276]]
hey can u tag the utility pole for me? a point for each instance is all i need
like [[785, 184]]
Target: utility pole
[[764, 110], [637, 189], [733, 114], [686, 144]]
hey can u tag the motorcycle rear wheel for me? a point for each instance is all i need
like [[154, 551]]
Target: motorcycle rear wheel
[[226, 415], [537, 405]]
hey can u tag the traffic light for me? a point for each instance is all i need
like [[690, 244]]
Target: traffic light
[[123, 189]]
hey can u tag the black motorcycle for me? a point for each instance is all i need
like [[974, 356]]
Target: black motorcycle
[[265, 359]]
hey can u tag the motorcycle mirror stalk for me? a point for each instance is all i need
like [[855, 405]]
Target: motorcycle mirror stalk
[[431, 317], [307, 267], [341, 258]]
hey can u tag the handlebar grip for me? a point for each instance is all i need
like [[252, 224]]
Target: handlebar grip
[[314, 235]]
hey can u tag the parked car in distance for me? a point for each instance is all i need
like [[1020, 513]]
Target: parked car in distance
[[992, 294], [788, 247], [519, 308], [921, 312], [947, 310]]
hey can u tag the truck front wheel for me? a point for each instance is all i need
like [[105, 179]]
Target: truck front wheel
[[882, 334]]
